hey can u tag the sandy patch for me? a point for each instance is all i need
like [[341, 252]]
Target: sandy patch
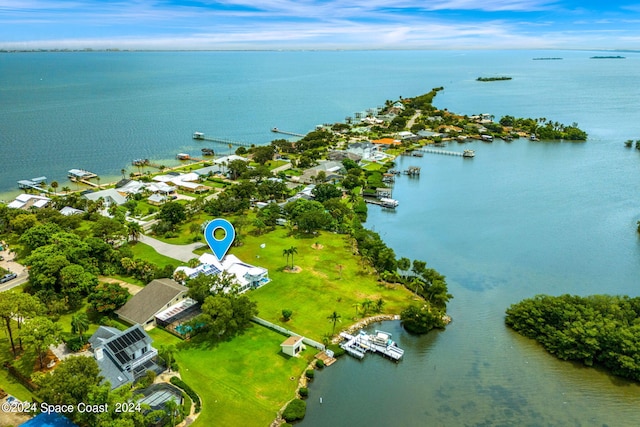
[[294, 270], [133, 289]]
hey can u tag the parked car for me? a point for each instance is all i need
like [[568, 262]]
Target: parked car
[[8, 277]]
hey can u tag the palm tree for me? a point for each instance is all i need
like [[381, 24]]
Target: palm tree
[[356, 305], [79, 324], [167, 352], [66, 189], [379, 304], [417, 284], [54, 185], [334, 317], [172, 410], [286, 252], [366, 305], [134, 229], [123, 171], [292, 250]]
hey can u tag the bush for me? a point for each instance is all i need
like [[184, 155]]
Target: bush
[[337, 350], [295, 410], [304, 392], [319, 363], [310, 374], [192, 394], [146, 380], [286, 314], [186, 404], [75, 344]]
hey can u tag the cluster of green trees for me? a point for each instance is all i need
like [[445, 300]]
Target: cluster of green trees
[[545, 129], [309, 148], [423, 281], [225, 313], [597, 329], [77, 380]]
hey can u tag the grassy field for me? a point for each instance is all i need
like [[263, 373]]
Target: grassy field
[[247, 380], [7, 382], [146, 252], [330, 279], [244, 381]]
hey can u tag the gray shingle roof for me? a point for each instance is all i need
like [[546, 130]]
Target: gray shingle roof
[[150, 300]]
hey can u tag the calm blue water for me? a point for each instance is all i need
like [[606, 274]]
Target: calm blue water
[[519, 219]]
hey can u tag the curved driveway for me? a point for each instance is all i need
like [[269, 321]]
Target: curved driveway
[[179, 252]]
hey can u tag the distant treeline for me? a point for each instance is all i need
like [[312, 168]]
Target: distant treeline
[[597, 329], [492, 79]]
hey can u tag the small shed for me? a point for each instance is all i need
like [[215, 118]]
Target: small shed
[[292, 346]]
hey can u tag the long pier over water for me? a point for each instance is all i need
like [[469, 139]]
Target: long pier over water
[[284, 132], [436, 151], [201, 137]]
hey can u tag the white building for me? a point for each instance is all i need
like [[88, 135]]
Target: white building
[[246, 276], [26, 201]]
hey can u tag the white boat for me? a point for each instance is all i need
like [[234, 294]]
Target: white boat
[[468, 153], [388, 203]]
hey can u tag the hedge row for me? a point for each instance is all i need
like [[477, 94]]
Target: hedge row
[[192, 394]]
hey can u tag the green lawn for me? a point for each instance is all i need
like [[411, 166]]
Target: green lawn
[[163, 338], [185, 234], [146, 252], [244, 381], [319, 288], [7, 382]]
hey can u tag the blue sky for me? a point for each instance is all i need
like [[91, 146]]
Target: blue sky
[[321, 24]]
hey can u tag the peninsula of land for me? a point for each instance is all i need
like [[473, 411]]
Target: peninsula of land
[[122, 268]]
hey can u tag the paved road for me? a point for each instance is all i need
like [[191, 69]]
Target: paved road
[[9, 264], [179, 252]]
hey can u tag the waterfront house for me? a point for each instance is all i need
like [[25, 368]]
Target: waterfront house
[[28, 201], [123, 356], [405, 135], [227, 159], [246, 276], [428, 134], [209, 170], [340, 155], [131, 187], [109, 196], [157, 296], [365, 150], [292, 346]]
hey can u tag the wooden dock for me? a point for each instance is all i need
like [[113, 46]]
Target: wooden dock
[[202, 137], [358, 345], [284, 132], [83, 181]]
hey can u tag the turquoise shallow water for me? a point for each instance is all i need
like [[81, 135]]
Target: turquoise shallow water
[[519, 219]]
